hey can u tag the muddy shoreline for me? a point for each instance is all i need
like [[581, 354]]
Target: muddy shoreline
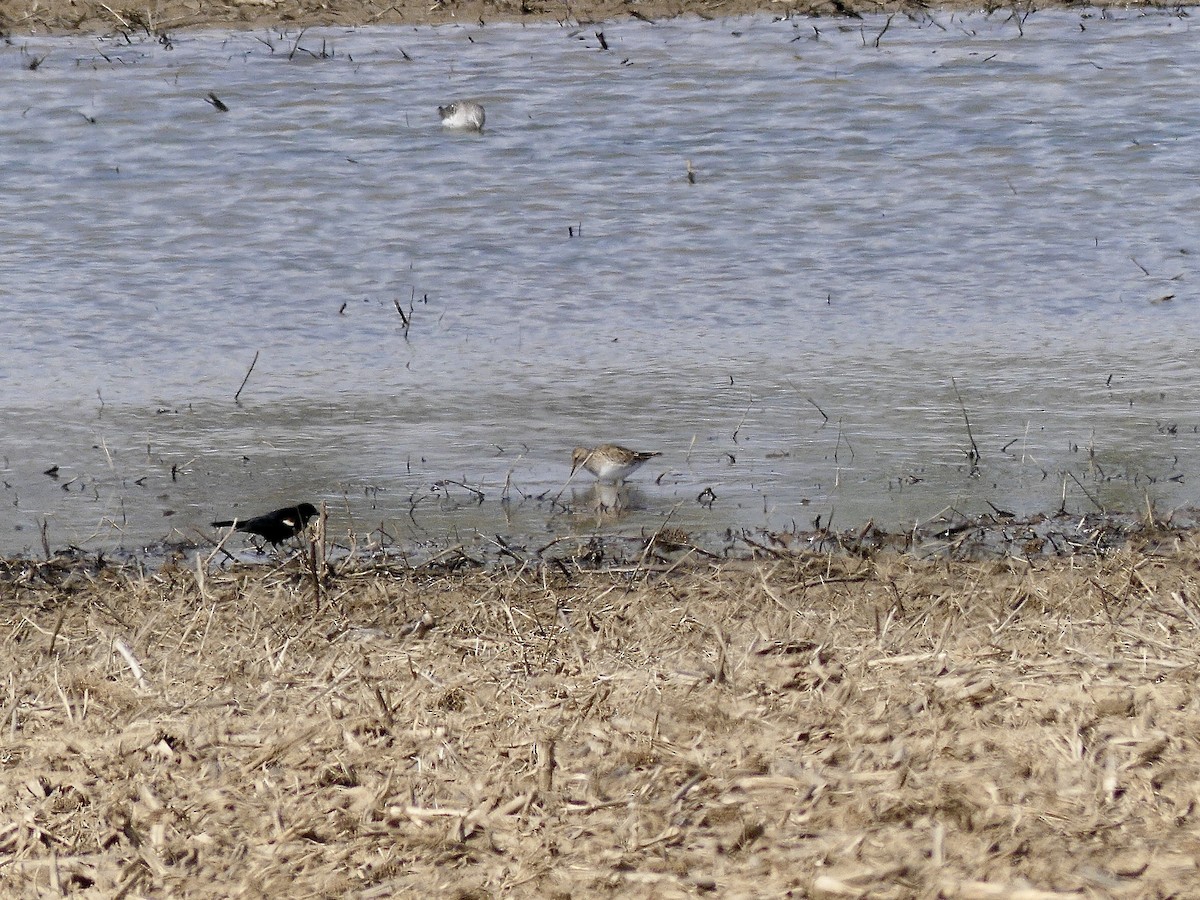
[[949, 536], [24, 17]]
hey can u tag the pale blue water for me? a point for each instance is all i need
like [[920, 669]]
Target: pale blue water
[[868, 225]]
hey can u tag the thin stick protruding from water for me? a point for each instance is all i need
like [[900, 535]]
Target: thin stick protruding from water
[[405, 320], [253, 363], [974, 454], [841, 439], [743, 420], [1096, 503], [296, 46], [886, 26]]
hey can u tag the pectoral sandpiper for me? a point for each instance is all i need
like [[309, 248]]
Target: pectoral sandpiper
[[609, 462]]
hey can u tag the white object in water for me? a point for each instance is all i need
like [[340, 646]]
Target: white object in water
[[466, 114]]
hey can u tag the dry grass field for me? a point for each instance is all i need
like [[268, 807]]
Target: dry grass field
[[807, 725]]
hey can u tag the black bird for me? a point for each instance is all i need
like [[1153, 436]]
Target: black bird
[[276, 526]]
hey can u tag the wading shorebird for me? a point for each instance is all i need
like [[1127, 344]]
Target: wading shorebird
[[608, 462], [276, 526], [464, 114]]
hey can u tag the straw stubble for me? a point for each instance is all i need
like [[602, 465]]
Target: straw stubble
[[826, 726]]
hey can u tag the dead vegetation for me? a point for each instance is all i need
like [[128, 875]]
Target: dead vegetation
[[811, 725], [160, 18]]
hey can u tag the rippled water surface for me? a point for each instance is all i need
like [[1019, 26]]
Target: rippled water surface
[[963, 203]]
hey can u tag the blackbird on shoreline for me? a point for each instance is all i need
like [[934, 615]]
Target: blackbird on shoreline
[[276, 526]]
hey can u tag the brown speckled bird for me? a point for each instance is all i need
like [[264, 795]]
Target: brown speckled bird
[[609, 462]]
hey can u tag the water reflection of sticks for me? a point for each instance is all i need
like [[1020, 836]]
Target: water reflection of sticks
[[445, 483]]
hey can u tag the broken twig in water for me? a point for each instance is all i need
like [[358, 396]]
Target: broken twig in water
[[405, 319], [973, 456], [253, 363], [296, 46], [743, 420], [841, 439], [1096, 503], [886, 26]]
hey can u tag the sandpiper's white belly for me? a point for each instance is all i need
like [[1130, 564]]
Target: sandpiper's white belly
[[608, 470]]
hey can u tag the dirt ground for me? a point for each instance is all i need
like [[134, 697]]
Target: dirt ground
[[164, 16], [797, 725]]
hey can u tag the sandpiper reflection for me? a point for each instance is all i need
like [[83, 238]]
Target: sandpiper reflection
[[607, 501]]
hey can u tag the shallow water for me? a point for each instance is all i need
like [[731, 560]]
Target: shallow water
[[873, 233]]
